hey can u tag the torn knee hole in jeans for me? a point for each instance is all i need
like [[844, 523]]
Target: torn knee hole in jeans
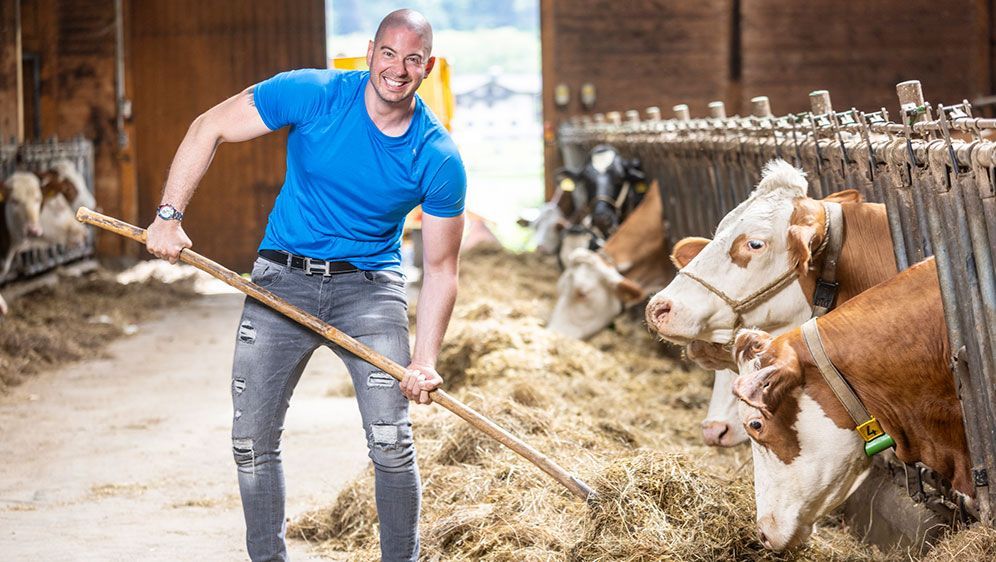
[[247, 334], [245, 455], [384, 435], [380, 379], [238, 385]]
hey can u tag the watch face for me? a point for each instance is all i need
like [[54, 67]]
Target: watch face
[[166, 212]]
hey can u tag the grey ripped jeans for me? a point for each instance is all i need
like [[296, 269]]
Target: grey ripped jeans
[[270, 353]]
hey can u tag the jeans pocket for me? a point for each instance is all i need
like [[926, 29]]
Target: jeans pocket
[[265, 273], [384, 277]]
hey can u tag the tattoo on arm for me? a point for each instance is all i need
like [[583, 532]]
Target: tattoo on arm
[[252, 99]]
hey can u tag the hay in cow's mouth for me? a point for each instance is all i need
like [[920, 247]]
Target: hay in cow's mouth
[[614, 410]]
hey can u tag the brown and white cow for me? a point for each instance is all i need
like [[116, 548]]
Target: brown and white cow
[[774, 232], [786, 227], [892, 347], [596, 287], [63, 177]]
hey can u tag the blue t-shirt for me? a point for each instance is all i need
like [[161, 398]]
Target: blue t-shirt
[[349, 186]]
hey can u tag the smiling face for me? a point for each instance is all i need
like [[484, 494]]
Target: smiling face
[[399, 60]]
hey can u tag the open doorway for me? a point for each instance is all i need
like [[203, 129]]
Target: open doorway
[[492, 48]]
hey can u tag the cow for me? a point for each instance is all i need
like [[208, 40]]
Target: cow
[[596, 287], [787, 229], [21, 198], [720, 428], [891, 345], [63, 177], [59, 224]]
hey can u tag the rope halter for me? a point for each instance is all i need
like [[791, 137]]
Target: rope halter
[[764, 294]]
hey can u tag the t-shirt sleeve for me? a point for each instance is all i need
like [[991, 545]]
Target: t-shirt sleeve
[[447, 190], [294, 97]]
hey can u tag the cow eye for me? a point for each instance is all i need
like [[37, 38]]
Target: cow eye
[[755, 425], [755, 244]]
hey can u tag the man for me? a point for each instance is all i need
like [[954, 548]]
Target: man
[[362, 151]]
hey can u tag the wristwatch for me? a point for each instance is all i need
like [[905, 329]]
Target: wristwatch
[[168, 213]]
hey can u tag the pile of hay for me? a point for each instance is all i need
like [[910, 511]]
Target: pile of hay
[[614, 411], [976, 543], [75, 319]]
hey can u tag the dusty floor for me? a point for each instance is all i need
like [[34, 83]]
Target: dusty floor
[[128, 457]]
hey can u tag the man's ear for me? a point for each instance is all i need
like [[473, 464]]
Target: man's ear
[[370, 53], [429, 65]]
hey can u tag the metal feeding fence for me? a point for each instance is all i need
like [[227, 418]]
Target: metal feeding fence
[[935, 171], [39, 157]]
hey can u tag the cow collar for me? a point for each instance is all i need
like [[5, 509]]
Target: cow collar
[[871, 432], [833, 238]]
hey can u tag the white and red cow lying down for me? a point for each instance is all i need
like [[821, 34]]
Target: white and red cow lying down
[[596, 287], [891, 345], [777, 233]]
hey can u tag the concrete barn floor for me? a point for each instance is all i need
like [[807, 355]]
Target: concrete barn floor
[[129, 457]]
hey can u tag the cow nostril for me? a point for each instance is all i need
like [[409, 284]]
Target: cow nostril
[[661, 312], [764, 539]]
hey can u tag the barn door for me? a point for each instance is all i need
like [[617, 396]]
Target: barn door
[[186, 56]]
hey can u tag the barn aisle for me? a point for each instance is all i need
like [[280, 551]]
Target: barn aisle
[[128, 456]]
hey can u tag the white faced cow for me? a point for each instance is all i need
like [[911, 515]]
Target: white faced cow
[[891, 345], [766, 256], [21, 198], [596, 287]]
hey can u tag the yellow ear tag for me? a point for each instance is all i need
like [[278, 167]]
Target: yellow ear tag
[[567, 185], [641, 187]]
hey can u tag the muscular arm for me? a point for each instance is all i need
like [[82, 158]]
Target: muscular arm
[[233, 120], [441, 242]]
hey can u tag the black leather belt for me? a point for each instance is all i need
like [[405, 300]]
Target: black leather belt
[[309, 265]]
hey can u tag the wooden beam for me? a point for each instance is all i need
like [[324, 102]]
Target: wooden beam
[[551, 156], [11, 94]]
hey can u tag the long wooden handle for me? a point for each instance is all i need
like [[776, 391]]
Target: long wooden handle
[[441, 397]]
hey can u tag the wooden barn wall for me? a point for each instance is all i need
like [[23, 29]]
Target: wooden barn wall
[[10, 56], [188, 55], [637, 53], [75, 43], [859, 51], [644, 52]]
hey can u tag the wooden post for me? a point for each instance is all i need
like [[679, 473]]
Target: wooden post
[[11, 79]]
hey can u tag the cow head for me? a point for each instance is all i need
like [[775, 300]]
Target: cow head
[[722, 427], [804, 463], [548, 226], [767, 237], [590, 293], [23, 197]]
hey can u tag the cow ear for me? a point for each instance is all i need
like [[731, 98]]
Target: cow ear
[[749, 345], [805, 232], [629, 291], [686, 249], [48, 177], [765, 380], [846, 196]]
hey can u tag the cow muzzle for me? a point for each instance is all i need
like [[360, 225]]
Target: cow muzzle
[[716, 433], [778, 538]]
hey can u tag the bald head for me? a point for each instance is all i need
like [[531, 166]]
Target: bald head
[[408, 19]]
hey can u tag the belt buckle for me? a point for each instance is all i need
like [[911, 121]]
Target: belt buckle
[[310, 268]]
